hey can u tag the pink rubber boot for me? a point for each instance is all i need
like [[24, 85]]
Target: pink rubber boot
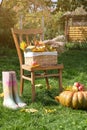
[[17, 99], [7, 89]]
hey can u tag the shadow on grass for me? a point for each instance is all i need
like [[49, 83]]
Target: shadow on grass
[[43, 96], [47, 97]]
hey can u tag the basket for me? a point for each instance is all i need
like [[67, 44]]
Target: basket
[[42, 58]]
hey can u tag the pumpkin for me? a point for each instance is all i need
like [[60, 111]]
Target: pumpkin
[[73, 99]]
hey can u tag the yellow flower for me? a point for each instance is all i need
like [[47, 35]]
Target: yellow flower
[[23, 45]]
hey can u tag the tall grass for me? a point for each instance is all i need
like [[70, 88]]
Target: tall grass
[[61, 118]]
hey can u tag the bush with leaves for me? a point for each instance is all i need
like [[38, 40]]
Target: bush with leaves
[[7, 21]]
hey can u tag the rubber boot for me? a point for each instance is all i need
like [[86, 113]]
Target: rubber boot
[[7, 89], [17, 99]]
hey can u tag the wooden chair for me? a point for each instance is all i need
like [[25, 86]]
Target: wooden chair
[[18, 37]]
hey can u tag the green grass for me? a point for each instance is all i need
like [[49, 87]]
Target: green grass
[[64, 118]]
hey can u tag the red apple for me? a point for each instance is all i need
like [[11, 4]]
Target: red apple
[[77, 84], [34, 63], [81, 87]]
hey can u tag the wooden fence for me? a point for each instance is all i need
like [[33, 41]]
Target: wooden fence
[[78, 33]]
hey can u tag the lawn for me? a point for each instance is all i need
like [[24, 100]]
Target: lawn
[[50, 115]]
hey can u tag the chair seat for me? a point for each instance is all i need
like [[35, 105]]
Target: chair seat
[[44, 74], [27, 67]]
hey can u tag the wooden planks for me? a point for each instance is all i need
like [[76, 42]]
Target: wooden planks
[[78, 33]]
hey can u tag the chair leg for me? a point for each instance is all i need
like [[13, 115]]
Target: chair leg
[[47, 81], [33, 86], [60, 80], [21, 82]]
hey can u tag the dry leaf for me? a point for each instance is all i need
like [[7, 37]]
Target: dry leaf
[[31, 110], [50, 110]]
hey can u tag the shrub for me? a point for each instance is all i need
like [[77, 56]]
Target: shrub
[[6, 22]]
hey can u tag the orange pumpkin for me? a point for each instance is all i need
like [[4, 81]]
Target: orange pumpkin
[[76, 100]]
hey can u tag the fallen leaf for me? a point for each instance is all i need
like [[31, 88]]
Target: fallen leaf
[[39, 85], [31, 110], [50, 110], [34, 66]]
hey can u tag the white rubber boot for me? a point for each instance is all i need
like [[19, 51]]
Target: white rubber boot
[[17, 99], [7, 89]]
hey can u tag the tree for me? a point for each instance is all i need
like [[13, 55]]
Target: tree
[[31, 12], [6, 22], [70, 5]]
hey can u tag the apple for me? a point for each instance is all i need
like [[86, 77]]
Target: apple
[[81, 87], [34, 63], [77, 84]]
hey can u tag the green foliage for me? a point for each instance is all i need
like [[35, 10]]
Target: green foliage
[[77, 46], [7, 20], [53, 26], [31, 13], [63, 118], [70, 5]]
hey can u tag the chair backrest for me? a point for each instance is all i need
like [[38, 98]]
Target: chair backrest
[[27, 35]]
